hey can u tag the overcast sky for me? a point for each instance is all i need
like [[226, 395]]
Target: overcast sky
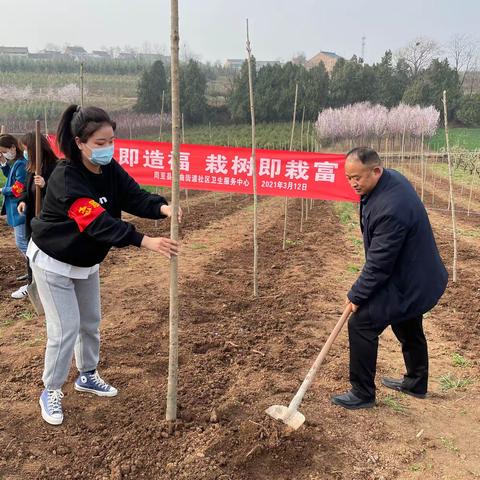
[[215, 29]]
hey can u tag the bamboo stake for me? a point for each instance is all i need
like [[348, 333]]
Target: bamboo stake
[[171, 412], [301, 217], [422, 169], [186, 190], [452, 202], [301, 129], [38, 167], [45, 117], [471, 188], [161, 116], [307, 136], [81, 85], [284, 243], [254, 168]]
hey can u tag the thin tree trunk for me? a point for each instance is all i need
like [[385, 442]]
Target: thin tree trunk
[[171, 413], [284, 243], [254, 169], [452, 202]]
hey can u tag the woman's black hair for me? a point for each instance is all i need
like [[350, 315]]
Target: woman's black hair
[[81, 122], [9, 141], [49, 159]]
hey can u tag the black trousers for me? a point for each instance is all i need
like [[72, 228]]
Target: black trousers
[[363, 338]]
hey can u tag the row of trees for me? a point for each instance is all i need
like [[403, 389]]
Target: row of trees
[[364, 121], [109, 66], [351, 81], [155, 84], [416, 78]]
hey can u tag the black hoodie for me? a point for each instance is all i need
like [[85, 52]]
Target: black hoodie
[[81, 214]]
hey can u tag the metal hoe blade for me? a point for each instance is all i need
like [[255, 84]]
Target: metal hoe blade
[[293, 419]]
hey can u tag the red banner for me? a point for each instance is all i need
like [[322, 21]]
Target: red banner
[[226, 169]]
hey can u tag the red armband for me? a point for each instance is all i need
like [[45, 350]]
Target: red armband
[[84, 211], [18, 188]]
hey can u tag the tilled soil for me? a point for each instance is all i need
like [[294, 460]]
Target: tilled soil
[[239, 355]]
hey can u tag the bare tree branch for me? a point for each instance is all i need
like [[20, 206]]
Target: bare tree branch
[[419, 53]]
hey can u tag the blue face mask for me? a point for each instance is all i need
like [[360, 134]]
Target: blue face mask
[[102, 155]]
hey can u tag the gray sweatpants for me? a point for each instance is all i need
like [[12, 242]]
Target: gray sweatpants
[[72, 312]]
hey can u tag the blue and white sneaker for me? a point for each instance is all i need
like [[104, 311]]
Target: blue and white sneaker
[[91, 382], [51, 405]]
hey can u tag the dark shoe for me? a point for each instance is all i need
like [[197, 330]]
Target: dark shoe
[[351, 401], [398, 386], [23, 277]]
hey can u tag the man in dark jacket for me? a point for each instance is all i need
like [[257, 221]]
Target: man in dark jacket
[[403, 278]]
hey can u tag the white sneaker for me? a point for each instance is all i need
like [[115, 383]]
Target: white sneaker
[[20, 293], [51, 405]]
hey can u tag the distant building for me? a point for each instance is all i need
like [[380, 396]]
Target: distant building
[[79, 53], [236, 63], [47, 55], [14, 51], [126, 56], [329, 59], [100, 54]]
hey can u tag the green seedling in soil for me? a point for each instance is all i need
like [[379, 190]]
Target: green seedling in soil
[[450, 382], [293, 243], [394, 403], [353, 268], [460, 361], [417, 467], [449, 444], [27, 315], [356, 242]]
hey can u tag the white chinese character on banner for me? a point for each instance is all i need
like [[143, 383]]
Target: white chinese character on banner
[[216, 164], [128, 156], [270, 167], [184, 158], [297, 170], [242, 165], [153, 159], [325, 171]]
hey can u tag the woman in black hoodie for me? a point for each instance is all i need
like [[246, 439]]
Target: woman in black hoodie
[[80, 221]]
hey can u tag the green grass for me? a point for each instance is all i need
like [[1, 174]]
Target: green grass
[[460, 361], [274, 136], [450, 382], [459, 175], [468, 138], [395, 404], [353, 268], [449, 444], [347, 212]]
